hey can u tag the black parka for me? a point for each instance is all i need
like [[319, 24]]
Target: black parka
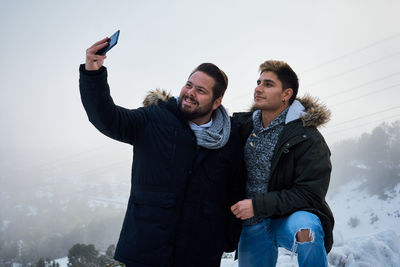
[[300, 169], [179, 207]]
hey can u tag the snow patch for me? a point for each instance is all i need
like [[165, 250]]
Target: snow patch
[[357, 213], [5, 225], [382, 249], [62, 261]]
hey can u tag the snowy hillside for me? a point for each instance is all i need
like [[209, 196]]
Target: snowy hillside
[[357, 213], [367, 230], [379, 250]]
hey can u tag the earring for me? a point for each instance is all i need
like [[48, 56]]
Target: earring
[[283, 100]]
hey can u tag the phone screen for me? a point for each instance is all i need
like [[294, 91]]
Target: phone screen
[[112, 42]]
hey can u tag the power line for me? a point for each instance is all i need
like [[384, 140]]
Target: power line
[[341, 74], [358, 118], [363, 84], [380, 120], [352, 53], [365, 95], [360, 85], [353, 69]]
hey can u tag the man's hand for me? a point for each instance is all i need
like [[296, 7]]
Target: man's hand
[[243, 209], [93, 61]]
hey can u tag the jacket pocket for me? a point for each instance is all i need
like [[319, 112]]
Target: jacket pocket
[[154, 207], [154, 199], [149, 227]]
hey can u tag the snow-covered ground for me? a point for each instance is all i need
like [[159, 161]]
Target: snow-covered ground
[[381, 249], [63, 262], [357, 213], [367, 231], [378, 250]]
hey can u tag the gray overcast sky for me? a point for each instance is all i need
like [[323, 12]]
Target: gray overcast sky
[[345, 52]]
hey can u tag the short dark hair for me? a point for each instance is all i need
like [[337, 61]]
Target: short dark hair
[[285, 74], [220, 78]]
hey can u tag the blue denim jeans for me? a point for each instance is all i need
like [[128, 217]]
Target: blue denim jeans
[[258, 245]]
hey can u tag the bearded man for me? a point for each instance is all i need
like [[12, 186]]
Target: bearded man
[[186, 171]]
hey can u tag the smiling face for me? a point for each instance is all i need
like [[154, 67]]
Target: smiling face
[[269, 95], [196, 98]]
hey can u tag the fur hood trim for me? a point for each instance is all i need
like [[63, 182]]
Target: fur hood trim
[[155, 97], [317, 114], [314, 114]]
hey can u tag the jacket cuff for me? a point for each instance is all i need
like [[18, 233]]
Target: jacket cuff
[[100, 71], [257, 202]]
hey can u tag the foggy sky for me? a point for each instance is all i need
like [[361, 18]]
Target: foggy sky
[[344, 52]]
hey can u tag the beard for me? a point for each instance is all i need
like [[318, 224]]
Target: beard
[[197, 112]]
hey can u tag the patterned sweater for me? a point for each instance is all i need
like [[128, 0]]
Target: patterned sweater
[[258, 153]]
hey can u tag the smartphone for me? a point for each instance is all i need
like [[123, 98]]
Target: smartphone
[[111, 43]]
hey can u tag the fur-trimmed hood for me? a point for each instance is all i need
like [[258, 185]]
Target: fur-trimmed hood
[[314, 114], [309, 109], [155, 97]]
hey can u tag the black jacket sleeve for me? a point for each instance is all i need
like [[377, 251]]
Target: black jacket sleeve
[[311, 178], [236, 191], [114, 121]]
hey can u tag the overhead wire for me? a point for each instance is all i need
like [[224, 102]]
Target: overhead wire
[[394, 36], [356, 51], [302, 72], [361, 85], [352, 70], [358, 126], [365, 116], [365, 95]]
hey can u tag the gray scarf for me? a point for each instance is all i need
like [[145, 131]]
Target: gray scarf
[[217, 135]]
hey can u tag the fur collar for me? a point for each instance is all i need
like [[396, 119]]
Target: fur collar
[[315, 114], [155, 97], [309, 109]]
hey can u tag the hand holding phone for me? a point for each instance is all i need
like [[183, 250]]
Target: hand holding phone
[[96, 54], [113, 40]]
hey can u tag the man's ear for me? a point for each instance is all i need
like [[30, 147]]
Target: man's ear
[[287, 93], [217, 103]]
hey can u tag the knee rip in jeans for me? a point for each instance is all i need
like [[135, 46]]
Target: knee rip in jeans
[[302, 236]]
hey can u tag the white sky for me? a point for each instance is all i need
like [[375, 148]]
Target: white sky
[[345, 52]]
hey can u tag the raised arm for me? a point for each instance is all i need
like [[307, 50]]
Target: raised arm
[[114, 121]]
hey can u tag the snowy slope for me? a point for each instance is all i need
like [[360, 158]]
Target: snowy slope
[[378, 250], [381, 249], [357, 213], [63, 262], [367, 231]]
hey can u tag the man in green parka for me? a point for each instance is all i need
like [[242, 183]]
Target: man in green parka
[[288, 172]]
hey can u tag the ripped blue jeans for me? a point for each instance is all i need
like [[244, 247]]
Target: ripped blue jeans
[[258, 245]]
